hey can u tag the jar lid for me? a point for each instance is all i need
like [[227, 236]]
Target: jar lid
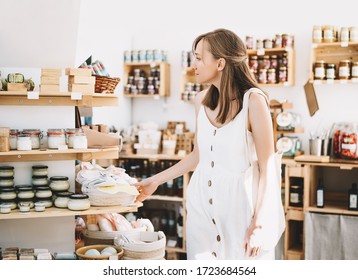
[[23, 188], [42, 188], [59, 178], [39, 177], [55, 131], [331, 65], [7, 178], [6, 167], [295, 187], [64, 194], [25, 200], [39, 167], [7, 190], [8, 201], [78, 196], [31, 131]]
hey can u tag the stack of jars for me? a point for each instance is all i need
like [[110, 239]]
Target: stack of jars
[[330, 34], [7, 191], [329, 71], [139, 83]]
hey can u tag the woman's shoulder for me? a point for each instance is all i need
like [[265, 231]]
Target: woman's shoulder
[[256, 97], [198, 100]]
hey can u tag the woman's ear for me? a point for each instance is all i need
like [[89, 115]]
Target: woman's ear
[[221, 64]]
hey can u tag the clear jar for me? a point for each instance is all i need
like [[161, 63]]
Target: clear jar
[[355, 70], [259, 44], [349, 141], [278, 41], [5, 208], [46, 202], [287, 41], [271, 76], [70, 133], [40, 206], [268, 44], [59, 183], [43, 192], [344, 35], [317, 34], [62, 199], [25, 191], [328, 34], [7, 181], [25, 202], [253, 62], [35, 136], [331, 71], [13, 138], [39, 180], [319, 70], [262, 76], [6, 171], [249, 41], [282, 75], [11, 202], [39, 170], [344, 69], [79, 202], [273, 62], [7, 193], [23, 142], [56, 138], [353, 34], [296, 196], [80, 141]]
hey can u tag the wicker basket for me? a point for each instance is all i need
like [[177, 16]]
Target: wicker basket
[[80, 252], [105, 84]]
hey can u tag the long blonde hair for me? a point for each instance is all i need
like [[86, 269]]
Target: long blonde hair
[[236, 78]]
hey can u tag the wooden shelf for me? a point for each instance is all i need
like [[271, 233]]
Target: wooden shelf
[[51, 155], [14, 98], [154, 96], [333, 162], [334, 45], [165, 198], [59, 212], [151, 157], [334, 82], [296, 130], [268, 51], [175, 250], [332, 208]]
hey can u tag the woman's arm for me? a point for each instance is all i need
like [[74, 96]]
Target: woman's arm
[[149, 185]]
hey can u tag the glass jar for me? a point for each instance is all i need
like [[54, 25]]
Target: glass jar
[[253, 62], [70, 132], [296, 196], [344, 35], [278, 41], [11, 202], [39, 170], [348, 141], [35, 136], [25, 202], [13, 138], [282, 75], [331, 71], [273, 62], [353, 34], [268, 44], [328, 34], [43, 192], [39, 180], [62, 198], [317, 34], [266, 61], [80, 141], [259, 44], [46, 202], [249, 42], [40, 206], [344, 69], [355, 70], [7, 193], [287, 41], [56, 138], [7, 181], [79, 202], [6, 171], [319, 70], [5, 208], [59, 183], [25, 191], [262, 76], [271, 76], [23, 142]]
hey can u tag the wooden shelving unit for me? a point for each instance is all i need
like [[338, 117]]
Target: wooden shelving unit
[[188, 76]]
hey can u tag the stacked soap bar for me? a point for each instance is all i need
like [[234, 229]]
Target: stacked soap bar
[[80, 80], [50, 80]]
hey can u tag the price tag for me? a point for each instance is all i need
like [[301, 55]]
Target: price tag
[[33, 95], [76, 96], [317, 82], [260, 51], [344, 44]]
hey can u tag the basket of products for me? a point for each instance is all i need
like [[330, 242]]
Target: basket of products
[[100, 252]]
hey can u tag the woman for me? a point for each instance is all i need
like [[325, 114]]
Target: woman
[[216, 204]]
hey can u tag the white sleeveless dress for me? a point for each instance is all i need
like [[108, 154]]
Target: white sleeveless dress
[[216, 200]]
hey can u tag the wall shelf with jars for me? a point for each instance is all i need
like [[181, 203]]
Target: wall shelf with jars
[[147, 79]]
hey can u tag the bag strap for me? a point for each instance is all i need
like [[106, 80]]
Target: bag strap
[[245, 111]]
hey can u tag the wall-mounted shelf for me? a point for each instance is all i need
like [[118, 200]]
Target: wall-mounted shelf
[[51, 155], [57, 99]]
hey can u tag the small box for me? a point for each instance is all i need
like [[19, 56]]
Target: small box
[[82, 80], [49, 88], [50, 80], [81, 88], [52, 72], [78, 71], [16, 87]]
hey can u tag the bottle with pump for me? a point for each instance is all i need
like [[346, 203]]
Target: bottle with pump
[[353, 197], [320, 194]]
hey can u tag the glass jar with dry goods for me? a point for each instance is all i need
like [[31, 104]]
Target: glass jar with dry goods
[[355, 70], [35, 135], [6, 171], [353, 34], [319, 70], [39, 170], [249, 42], [80, 141], [56, 138], [43, 192], [266, 61], [273, 61], [344, 35], [344, 69], [259, 44], [263, 76], [13, 138], [70, 133], [25, 191], [10, 203], [25, 202], [79, 202], [23, 142], [317, 34], [287, 40], [59, 183], [349, 141], [253, 62], [331, 71], [278, 41], [268, 44]]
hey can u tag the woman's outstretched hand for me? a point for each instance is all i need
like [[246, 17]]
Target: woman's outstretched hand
[[145, 188]]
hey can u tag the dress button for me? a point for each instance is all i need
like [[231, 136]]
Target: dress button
[[211, 148], [213, 221], [211, 201], [212, 164], [214, 254], [218, 238], [214, 132], [209, 183]]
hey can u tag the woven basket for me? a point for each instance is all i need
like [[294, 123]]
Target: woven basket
[[105, 84], [80, 252]]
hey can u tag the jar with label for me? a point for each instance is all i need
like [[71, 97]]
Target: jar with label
[[317, 34], [273, 62], [7, 193], [259, 44], [348, 141], [35, 135], [344, 69], [266, 61], [59, 183], [296, 196], [319, 70], [127, 56], [328, 34], [149, 55], [7, 181], [70, 132], [24, 143], [43, 192], [268, 44], [331, 71], [79, 202], [287, 120], [13, 138], [287, 41], [353, 34], [47, 202], [80, 141], [25, 191], [344, 36], [355, 70], [39, 180], [135, 56], [249, 42], [282, 75], [262, 76], [6, 171], [253, 62], [271, 76], [278, 41], [56, 138], [39, 170], [62, 199]]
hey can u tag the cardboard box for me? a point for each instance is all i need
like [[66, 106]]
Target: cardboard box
[[311, 98], [49, 88], [52, 72], [84, 88], [78, 72], [16, 87], [50, 80], [99, 139], [82, 80]]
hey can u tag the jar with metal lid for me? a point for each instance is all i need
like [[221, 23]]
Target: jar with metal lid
[[59, 183], [35, 135], [23, 142], [317, 34], [268, 44], [249, 42], [296, 196], [319, 70], [271, 76], [266, 61], [331, 71], [47, 202], [287, 41], [62, 199], [282, 74], [25, 191], [273, 62], [355, 70], [278, 41], [70, 133], [13, 138], [287, 120], [40, 180], [80, 141], [11, 202], [353, 34], [344, 35], [25, 202], [6, 171], [56, 138], [263, 76], [259, 44], [7, 181], [7, 193], [328, 34], [79, 202], [253, 62], [43, 192], [344, 69], [39, 170]]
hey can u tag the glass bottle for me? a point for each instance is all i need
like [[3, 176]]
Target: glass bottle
[[180, 228], [320, 194], [353, 197], [171, 223]]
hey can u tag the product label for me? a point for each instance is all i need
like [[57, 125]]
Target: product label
[[350, 147], [294, 198], [179, 231], [319, 72], [353, 201], [344, 71], [319, 197], [330, 73], [355, 71], [317, 34], [328, 34]]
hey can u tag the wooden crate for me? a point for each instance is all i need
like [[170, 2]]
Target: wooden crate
[[16, 87], [172, 125], [185, 142]]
